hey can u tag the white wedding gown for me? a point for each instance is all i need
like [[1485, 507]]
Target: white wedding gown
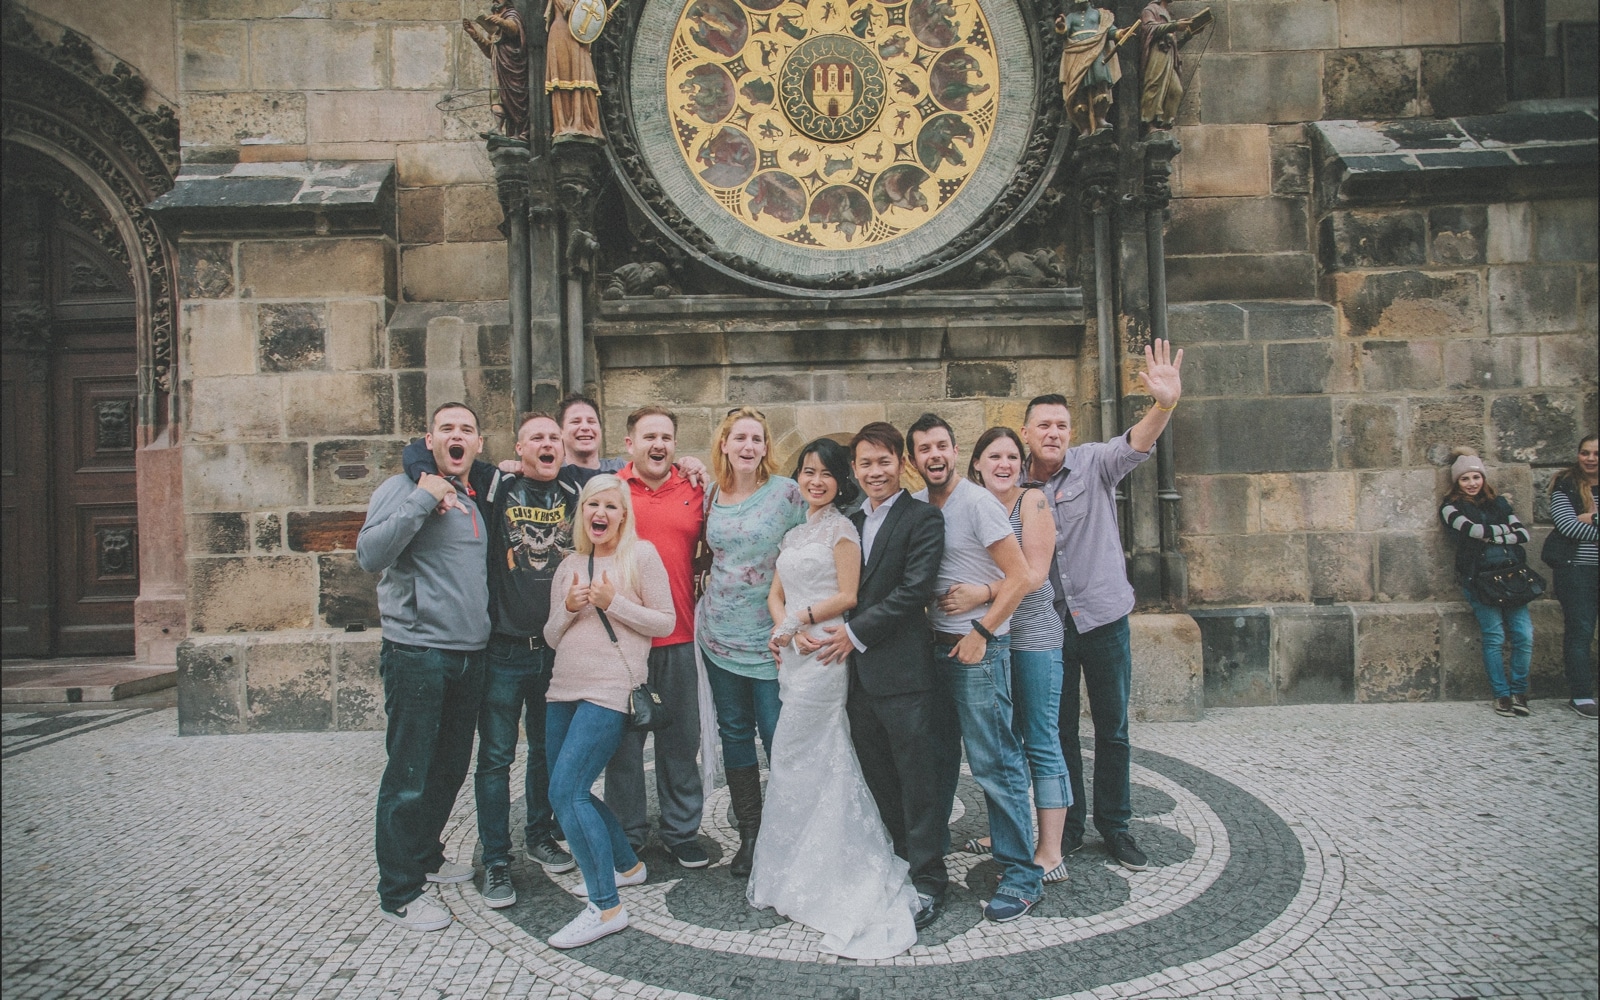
[[823, 857]]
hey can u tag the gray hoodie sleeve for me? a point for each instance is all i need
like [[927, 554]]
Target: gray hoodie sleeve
[[397, 511]]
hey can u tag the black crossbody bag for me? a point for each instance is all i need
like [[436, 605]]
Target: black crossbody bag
[[646, 712]]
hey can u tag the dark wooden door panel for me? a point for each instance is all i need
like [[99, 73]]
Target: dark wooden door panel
[[25, 620]]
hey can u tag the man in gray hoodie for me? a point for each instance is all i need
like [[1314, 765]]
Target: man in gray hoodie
[[428, 541]]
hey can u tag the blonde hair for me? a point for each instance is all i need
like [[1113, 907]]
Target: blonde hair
[[721, 469], [627, 570]]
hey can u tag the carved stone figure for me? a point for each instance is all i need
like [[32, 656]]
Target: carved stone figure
[[639, 279], [1160, 37], [1089, 64], [1040, 269], [569, 77], [500, 37]]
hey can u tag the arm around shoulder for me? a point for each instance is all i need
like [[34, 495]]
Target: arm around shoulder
[[397, 512]]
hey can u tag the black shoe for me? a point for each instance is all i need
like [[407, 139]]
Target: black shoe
[[1071, 844], [1519, 704], [689, 854], [932, 908], [1587, 709], [1502, 706], [1126, 852], [549, 855]]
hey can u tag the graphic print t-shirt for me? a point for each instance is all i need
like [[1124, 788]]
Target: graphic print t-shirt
[[532, 534]]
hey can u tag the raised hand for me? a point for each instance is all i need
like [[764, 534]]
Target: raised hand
[[577, 596], [441, 490], [1160, 377]]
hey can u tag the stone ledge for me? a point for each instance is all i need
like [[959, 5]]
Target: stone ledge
[[302, 199]]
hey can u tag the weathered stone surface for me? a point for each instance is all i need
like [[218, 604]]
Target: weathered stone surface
[[964, 379], [1430, 22], [439, 164], [1373, 239], [1037, 376], [1371, 83], [880, 385], [1468, 80], [411, 388], [1308, 501], [211, 692], [339, 405], [235, 408], [454, 272], [354, 334], [385, 116], [1567, 229], [1461, 654], [1201, 322], [1369, 22], [1481, 21], [1568, 360], [419, 57], [1226, 569], [1291, 167], [1410, 304], [290, 54], [1262, 87], [303, 269], [1222, 160], [422, 215], [1299, 369], [1399, 365], [266, 533], [1415, 566], [666, 349], [1340, 566], [1313, 655], [213, 56], [1218, 505], [358, 690], [324, 530], [1241, 276], [1510, 239], [1236, 225], [1458, 235], [769, 388], [1533, 299], [1438, 425], [1167, 683], [1370, 436], [250, 594], [229, 119], [1397, 653], [1396, 500], [346, 593], [347, 471], [1500, 363], [1276, 26], [811, 346], [220, 338], [1236, 644], [1290, 320], [205, 271], [1223, 370], [1006, 337], [472, 214], [291, 337], [243, 476], [1208, 435], [1536, 428], [288, 685], [217, 534], [207, 10]]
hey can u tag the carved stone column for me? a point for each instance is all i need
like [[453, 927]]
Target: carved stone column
[[1159, 149], [511, 166], [578, 166]]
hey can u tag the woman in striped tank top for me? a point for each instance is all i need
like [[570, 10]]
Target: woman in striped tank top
[[1036, 640]]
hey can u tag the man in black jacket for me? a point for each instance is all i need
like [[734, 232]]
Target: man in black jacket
[[902, 723]]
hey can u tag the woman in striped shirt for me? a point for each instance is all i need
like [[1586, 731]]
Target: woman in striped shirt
[[1571, 552], [1478, 519]]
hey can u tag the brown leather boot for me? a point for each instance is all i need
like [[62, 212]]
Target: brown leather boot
[[744, 788]]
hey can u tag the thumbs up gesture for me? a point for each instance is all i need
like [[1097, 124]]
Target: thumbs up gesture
[[602, 591], [577, 595]]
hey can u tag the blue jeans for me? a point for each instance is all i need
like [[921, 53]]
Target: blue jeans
[[513, 692], [982, 693], [1578, 590], [1494, 626], [431, 697], [745, 706], [1036, 691], [579, 737], [1101, 657]]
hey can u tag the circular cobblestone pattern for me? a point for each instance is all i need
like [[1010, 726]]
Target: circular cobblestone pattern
[[1228, 879]]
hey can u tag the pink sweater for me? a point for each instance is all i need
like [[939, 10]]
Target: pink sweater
[[587, 667]]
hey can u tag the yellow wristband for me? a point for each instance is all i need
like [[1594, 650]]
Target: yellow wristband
[[1166, 409]]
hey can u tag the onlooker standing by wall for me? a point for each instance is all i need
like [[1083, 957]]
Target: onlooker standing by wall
[[1482, 525], [1571, 552]]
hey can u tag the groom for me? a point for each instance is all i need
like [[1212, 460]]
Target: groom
[[899, 721]]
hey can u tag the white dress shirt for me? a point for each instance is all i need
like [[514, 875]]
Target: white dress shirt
[[869, 534]]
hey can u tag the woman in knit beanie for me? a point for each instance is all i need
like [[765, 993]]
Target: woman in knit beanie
[[1480, 523]]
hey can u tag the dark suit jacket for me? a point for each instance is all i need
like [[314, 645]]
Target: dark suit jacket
[[897, 583]]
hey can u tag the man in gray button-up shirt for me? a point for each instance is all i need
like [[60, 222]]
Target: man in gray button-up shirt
[[1093, 595]]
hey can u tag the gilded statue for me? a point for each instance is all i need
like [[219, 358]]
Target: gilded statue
[[569, 76], [1089, 64], [499, 36], [1160, 38]]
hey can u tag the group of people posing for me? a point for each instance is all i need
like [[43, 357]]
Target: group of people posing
[[862, 634]]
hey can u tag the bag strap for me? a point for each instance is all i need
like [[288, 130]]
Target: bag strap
[[605, 620]]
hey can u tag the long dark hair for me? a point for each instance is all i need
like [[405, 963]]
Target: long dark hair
[[836, 459], [985, 439], [1486, 495], [1573, 475]]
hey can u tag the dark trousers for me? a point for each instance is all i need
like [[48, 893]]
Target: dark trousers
[[1104, 661], [431, 697], [678, 787], [906, 743], [517, 678], [1578, 590]]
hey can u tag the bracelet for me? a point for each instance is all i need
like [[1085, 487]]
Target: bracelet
[[988, 594], [791, 625], [1167, 409], [977, 626], [809, 616]]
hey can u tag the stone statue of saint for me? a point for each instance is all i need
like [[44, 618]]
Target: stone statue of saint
[[1089, 64], [499, 36], [569, 77], [1159, 40]]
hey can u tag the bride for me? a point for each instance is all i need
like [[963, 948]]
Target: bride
[[823, 857]]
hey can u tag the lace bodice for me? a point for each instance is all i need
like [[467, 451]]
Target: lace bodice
[[805, 559]]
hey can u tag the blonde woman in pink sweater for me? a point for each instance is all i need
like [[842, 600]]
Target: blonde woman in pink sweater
[[617, 599]]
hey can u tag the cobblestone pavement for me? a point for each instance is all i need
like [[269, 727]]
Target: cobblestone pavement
[[1334, 851]]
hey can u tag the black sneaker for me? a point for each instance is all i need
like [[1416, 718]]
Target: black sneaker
[[497, 889], [689, 854], [1519, 704], [550, 856], [1126, 852], [1072, 844], [1502, 706], [1586, 709]]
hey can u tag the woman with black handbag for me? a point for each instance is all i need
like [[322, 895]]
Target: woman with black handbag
[[1489, 539], [617, 599], [1571, 553]]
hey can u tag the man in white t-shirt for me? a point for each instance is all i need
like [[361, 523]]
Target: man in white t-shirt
[[973, 654]]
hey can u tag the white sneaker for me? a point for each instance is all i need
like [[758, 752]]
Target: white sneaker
[[451, 872], [588, 927], [421, 914], [635, 877]]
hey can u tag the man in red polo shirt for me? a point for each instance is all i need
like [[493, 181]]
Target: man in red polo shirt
[[667, 512]]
